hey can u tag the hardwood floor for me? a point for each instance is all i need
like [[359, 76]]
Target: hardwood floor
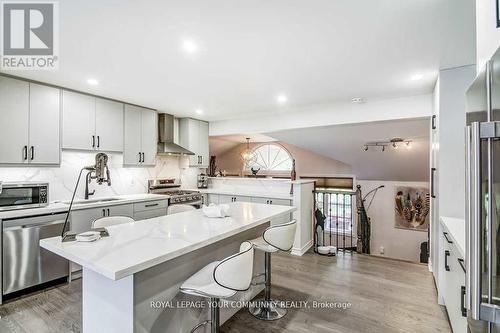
[[386, 296]]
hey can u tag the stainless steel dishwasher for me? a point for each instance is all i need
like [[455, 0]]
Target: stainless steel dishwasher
[[24, 263]]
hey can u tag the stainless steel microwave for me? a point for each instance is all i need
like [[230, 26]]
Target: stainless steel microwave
[[21, 195]]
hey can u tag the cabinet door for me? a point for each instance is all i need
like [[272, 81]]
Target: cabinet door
[[132, 135], [109, 125], [260, 200], [239, 198], [203, 144], [44, 129], [81, 220], [78, 121], [223, 199], [213, 198], [279, 202], [14, 110], [121, 210], [149, 137]]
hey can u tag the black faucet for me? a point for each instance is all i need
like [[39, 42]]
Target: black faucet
[[87, 182]]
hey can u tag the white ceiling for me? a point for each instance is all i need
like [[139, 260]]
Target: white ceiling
[[316, 51], [345, 143]]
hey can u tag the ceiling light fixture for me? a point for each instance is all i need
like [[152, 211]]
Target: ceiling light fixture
[[408, 144], [189, 46], [199, 111], [394, 143], [248, 155], [366, 148], [92, 82], [416, 77], [281, 99]]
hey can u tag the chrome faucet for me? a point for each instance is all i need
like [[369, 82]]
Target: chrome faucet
[[87, 182]]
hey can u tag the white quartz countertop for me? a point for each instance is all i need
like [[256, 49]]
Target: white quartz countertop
[[134, 247], [59, 207], [244, 193], [456, 230]]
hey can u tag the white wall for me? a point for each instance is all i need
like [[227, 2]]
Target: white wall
[[128, 180], [398, 243], [331, 114], [487, 33]]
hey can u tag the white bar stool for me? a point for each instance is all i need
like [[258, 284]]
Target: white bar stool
[[108, 221], [221, 279], [274, 238]]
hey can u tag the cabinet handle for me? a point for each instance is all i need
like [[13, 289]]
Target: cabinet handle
[[446, 255], [108, 212], [98, 141], [271, 202], [433, 122], [140, 157], [151, 205], [32, 153], [461, 262], [93, 141], [445, 234], [462, 301], [433, 195], [25, 153], [104, 212], [143, 157]]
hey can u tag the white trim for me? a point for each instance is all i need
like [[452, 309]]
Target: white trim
[[301, 251]]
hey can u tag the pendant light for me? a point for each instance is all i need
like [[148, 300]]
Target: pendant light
[[248, 155]]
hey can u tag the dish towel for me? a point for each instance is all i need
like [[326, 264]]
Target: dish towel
[[214, 210]]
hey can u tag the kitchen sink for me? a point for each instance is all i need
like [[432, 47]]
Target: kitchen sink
[[84, 202]]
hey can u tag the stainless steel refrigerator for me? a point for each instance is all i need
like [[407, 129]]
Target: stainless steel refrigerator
[[483, 200]]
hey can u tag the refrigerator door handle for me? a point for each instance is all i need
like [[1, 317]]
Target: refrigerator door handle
[[473, 183]]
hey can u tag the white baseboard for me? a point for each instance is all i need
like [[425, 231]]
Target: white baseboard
[[300, 251]]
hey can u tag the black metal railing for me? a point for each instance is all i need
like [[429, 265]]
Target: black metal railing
[[336, 207]]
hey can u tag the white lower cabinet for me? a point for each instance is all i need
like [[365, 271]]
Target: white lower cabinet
[[453, 290], [149, 209]]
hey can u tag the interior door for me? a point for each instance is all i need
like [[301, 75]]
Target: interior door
[[44, 125], [149, 136], [78, 121], [132, 135], [109, 125], [14, 109]]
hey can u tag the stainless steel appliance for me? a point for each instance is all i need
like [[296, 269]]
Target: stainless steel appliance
[[483, 200], [24, 263], [166, 145], [172, 189], [21, 195], [202, 181]]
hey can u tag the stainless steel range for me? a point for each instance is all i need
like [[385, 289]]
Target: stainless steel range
[[176, 196]]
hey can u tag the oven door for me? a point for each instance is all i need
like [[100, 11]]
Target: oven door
[[22, 196]]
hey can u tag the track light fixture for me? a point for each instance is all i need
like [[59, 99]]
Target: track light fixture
[[395, 143]]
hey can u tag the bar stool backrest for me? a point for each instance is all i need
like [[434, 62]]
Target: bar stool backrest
[[281, 236], [235, 272], [108, 221]]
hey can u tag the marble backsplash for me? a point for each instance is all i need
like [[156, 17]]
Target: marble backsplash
[[124, 180]]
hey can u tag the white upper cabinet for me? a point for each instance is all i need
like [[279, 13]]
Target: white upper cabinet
[[44, 128], [31, 114], [78, 121], [109, 125], [91, 123], [193, 135], [140, 136], [14, 112]]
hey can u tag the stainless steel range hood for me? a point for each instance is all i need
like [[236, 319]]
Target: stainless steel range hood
[[166, 145]]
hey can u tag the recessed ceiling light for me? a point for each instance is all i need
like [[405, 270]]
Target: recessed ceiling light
[[189, 46], [199, 111], [93, 82], [358, 100], [281, 99], [416, 77]]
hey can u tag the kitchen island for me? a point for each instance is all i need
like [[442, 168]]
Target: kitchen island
[[142, 264]]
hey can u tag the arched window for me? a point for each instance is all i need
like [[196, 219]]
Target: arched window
[[271, 157]]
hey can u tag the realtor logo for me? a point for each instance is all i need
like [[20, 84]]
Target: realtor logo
[[29, 35]]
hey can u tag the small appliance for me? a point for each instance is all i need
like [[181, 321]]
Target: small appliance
[[22, 195], [202, 181]]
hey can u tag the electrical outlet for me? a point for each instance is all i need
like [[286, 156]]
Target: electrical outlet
[[382, 250]]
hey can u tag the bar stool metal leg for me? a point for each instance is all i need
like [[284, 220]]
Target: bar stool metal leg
[[215, 316], [267, 308]]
